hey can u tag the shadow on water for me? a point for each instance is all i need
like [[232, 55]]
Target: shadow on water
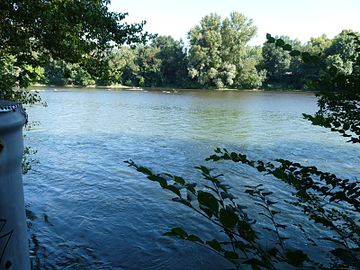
[[60, 253]]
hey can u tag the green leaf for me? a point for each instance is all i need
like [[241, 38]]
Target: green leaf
[[214, 244], [144, 170], [270, 39], [169, 234], [346, 126], [161, 180], [203, 169], [336, 124], [287, 47], [234, 156], [295, 53], [296, 257], [207, 211], [228, 218], [182, 201], [209, 201], [246, 231], [194, 238], [191, 187], [280, 43], [179, 180], [173, 189], [177, 232], [303, 194], [306, 57], [230, 255]]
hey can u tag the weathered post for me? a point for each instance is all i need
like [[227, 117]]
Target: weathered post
[[14, 253]]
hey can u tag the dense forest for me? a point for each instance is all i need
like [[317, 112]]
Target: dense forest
[[217, 54]]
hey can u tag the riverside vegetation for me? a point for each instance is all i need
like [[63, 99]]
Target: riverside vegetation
[[34, 49], [218, 54]]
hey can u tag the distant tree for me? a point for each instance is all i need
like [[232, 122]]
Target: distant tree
[[119, 60], [318, 45], [342, 53], [130, 70], [148, 66], [173, 58], [282, 69], [219, 54], [55, 72]]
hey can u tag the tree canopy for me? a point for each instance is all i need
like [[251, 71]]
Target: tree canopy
[[32, 31], [219, 53], [77, 42]]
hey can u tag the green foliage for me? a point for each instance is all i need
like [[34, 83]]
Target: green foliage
[[173, 58], [241, 243], [319, 64], [219, 55], [323, 197], [282, 59], [339, 99], [28, 159], [163, 63], [32, 31]]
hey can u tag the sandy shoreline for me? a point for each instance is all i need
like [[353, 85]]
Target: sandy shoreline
[[55, 88]]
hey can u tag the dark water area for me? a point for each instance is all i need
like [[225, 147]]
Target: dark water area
[[88, 210]]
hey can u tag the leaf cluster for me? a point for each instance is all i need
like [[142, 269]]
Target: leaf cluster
[[339, 99], [217, 205], [325, 198]]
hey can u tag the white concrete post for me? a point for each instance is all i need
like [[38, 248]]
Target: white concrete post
[[14, 251]]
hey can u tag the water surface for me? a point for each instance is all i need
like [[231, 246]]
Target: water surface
[[90, 211]]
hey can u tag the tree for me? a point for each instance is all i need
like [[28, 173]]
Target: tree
[[148, 65], [173, 58], [162, 63], [282, 69], [219, 55], [73, 31], [129, 75], [342, 53], [318, 45]]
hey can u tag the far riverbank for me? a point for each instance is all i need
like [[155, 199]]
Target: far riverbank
[[168, 90]]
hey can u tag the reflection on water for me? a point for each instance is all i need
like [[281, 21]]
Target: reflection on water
[[88, 210]]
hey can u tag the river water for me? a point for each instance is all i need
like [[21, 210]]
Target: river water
[[88, 210]]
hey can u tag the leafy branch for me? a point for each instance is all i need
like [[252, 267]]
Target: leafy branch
[[339, 99], [324, 197], [217, 205]]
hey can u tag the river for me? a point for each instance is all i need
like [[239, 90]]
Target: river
[[88, 210]]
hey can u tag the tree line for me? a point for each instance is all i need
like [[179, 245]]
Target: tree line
[[218, 55]]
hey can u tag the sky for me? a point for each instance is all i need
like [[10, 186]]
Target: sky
[[294, 18]]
